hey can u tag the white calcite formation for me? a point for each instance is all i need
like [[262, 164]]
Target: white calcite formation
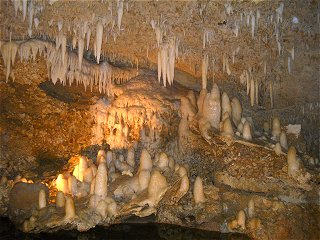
[[62, 184], [236, 111], [163, 162], [283, 140], [198, 194], [70, 210], [81, 168], [227, 129], [276, 128], [145, 161], [277, 149], [205, 65], [200, 101], [101, 182], [60, 199], [157, 187], [187, 109], [212, 107], [167, 53], [72, 185], [241, 219], [251, 211], [63, 65], [225, 104], [42, 199], [246, 133], [293, 162], [131, 157]]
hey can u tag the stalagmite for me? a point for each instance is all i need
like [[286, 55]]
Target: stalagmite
[[72, 185], [200, 101], [226, 105], [276, 128], [101, 182], [130, 157], [185, 185], [145, 161], [277, 149], [241, 219], [186, 109], [212, 107], [227, 129], [204, 126], [144, 179], [163, 161], [157, 187], [60, 199], [102, 208], [293, 162], [42, 199], [88, 175], [98, 42], [251, 211], [247, 131], [236, 111], [70, 210], [198, 194], [62, 184], [213, 69], [283, 140], [240, 127], [82, 167]]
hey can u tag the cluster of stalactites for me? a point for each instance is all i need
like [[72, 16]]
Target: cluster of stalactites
[[65, 66], [167, 54]]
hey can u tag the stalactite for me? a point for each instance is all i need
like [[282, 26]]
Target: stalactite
[[158, 31], [24, 9], [64, 66], [88, 35], [80, 51], [271, 93], [256, 91], [17, 5], [253, 22], [164, 62], [63, 48], [289, 65], [159, 66], [227, 66], [252, 89], [205, 64], [213, 69], [120, 13], [9, 52], [98, 42]]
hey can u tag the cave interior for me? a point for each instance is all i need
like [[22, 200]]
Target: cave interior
[[200, 114]]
